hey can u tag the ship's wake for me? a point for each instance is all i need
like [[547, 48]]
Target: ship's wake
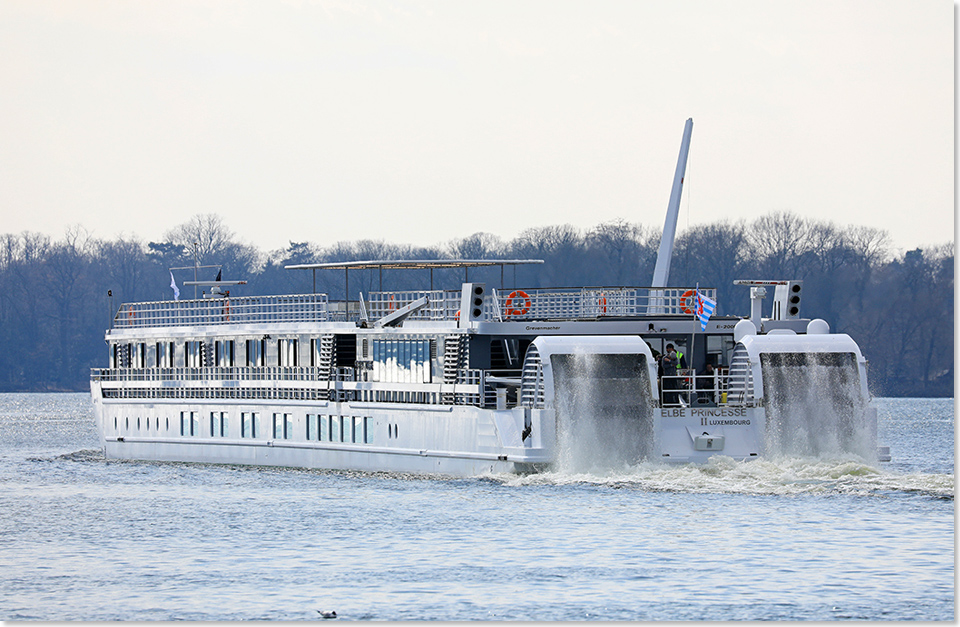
[[774, 476]]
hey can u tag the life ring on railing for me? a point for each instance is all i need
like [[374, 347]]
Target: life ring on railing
[[130, 313], [226, 310], [603, 304], [456, 316], [510, 310], [689, 294], [392, 305]]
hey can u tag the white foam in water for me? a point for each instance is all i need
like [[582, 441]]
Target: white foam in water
[[784, 476]]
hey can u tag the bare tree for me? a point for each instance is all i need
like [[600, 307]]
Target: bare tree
[[212, 242]]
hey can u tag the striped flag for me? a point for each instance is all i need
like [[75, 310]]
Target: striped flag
[[704, 310]]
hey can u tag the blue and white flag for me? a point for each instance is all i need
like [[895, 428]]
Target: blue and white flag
[[704, 310], [173, 284]]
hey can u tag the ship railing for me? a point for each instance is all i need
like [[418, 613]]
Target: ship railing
[[223, 310], [596, 302], [441, 304], [208, 374], [688, 388], [545, 303]]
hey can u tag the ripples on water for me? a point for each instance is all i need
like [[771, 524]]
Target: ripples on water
[[82, 538]]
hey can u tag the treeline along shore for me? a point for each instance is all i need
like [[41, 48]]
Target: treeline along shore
[[58, 296]]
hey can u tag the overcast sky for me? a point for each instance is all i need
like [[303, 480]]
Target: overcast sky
[[420, 122]]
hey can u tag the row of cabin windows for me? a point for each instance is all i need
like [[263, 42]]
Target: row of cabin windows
[[197, 354], [319, 427], [392, 361]]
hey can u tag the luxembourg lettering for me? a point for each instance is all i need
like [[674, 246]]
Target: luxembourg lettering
[[733, 417]]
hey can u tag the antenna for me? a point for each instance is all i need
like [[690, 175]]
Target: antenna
[[661, 273]]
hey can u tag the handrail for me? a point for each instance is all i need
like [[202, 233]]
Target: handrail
[[527, 304], [222, 310]]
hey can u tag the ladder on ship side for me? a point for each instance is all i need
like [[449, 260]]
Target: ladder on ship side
[[453, 353], [324, 362]]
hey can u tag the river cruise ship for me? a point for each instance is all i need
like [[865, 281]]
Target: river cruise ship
[[479, 379]]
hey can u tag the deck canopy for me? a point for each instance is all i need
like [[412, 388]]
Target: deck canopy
[[412, 264]]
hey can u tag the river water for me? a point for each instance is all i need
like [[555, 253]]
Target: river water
[[82, 538]]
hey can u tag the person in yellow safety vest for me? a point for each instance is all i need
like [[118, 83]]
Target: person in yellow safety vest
[[669, 370], [681, 360]]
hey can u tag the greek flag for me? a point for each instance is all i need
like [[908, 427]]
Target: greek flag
[[705, 307], [173, 284]]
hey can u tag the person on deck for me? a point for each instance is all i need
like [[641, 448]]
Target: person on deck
[[668, 375]]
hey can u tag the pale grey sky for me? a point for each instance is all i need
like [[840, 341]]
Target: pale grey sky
[[419, 122]]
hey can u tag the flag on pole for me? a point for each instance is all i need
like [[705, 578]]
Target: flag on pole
[[219, 274], [173, 285], [704, 310]]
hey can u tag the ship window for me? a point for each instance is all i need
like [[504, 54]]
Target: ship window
[[335, 434], [249, 424], [324, 428], [287, 352], [138, 355], [219, 425], [115, 427], [184, 429], [367, 430], [164, 354], [357, 430], [193, 354], [282, 426], [255, 356], [312, 430], [401, 361], [223, 353]]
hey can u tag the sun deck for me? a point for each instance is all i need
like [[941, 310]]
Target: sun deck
[[588, 303]]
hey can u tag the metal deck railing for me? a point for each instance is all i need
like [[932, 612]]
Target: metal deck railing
[[519, 304], [227, 310]]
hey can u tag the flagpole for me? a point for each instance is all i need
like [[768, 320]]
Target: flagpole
[[693, 338]]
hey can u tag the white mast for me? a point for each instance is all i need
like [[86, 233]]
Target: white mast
[[661, 272]]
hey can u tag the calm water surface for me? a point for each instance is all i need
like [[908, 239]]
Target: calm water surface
[[82, 538]]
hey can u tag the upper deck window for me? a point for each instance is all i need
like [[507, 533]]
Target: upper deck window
[[194, 354], [138, 355], [287, 352], [164, 354], [223, 353], [401, 361], [255, 353]]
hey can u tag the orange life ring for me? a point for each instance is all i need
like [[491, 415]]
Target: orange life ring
[[226, 310], [510, 310], [456, 316], [392, 304], [689, 294], [603, 303], [130, 312]]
